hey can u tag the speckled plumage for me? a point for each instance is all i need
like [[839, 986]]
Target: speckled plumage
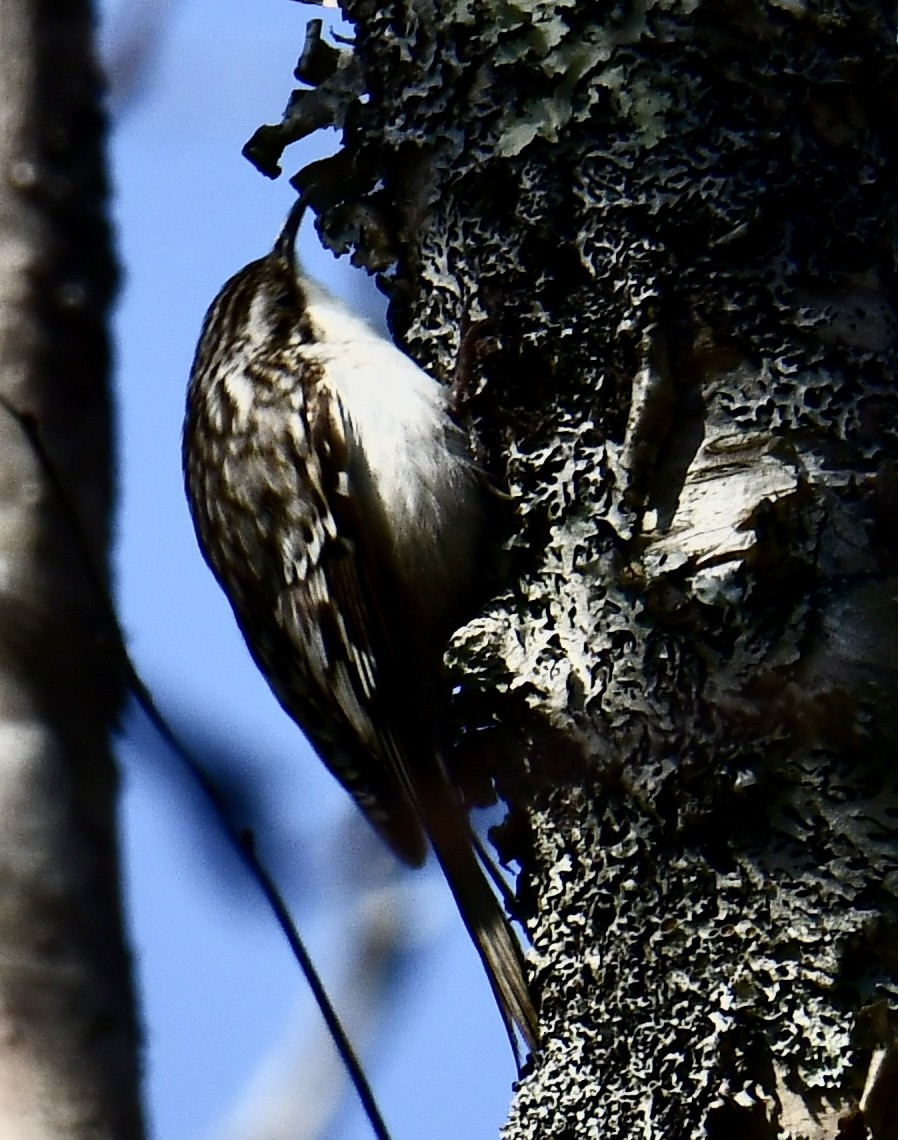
[[337, 504]]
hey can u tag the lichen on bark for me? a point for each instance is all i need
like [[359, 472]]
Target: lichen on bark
[[674, 223]]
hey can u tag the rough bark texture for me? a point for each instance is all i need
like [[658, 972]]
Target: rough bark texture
[[68, 1065], [677, 221]]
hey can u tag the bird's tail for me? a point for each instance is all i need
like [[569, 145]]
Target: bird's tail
[[487, 924]]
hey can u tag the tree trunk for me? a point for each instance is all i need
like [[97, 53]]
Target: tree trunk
[[68, 1067], [662, 242]]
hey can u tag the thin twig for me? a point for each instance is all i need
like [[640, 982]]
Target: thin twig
[[240, 838]]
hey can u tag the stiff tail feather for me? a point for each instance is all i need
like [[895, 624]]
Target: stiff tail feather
[[485, 920]]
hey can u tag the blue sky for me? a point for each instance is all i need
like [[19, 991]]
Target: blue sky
[[217, 985]]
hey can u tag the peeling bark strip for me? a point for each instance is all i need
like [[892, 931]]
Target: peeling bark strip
[[678, 219], [68, 1066]]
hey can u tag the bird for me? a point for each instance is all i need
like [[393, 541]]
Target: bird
[[338, 504]]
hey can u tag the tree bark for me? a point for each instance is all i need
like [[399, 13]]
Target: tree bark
[[668, 231], [68, 1066]]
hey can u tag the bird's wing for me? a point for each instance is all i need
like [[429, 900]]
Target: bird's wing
[[331, 614]]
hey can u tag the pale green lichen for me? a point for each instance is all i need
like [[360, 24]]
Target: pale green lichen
[[678, 222]]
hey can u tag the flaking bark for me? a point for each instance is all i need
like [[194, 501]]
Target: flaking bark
[[673, 224]]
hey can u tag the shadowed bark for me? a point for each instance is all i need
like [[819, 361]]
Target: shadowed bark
[[673, 224], [68, 1067]]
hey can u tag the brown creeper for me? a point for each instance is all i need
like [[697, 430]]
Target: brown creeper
[[339, 508]]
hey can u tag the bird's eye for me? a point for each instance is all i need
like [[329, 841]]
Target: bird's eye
[[285, 301], [283, 311]]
